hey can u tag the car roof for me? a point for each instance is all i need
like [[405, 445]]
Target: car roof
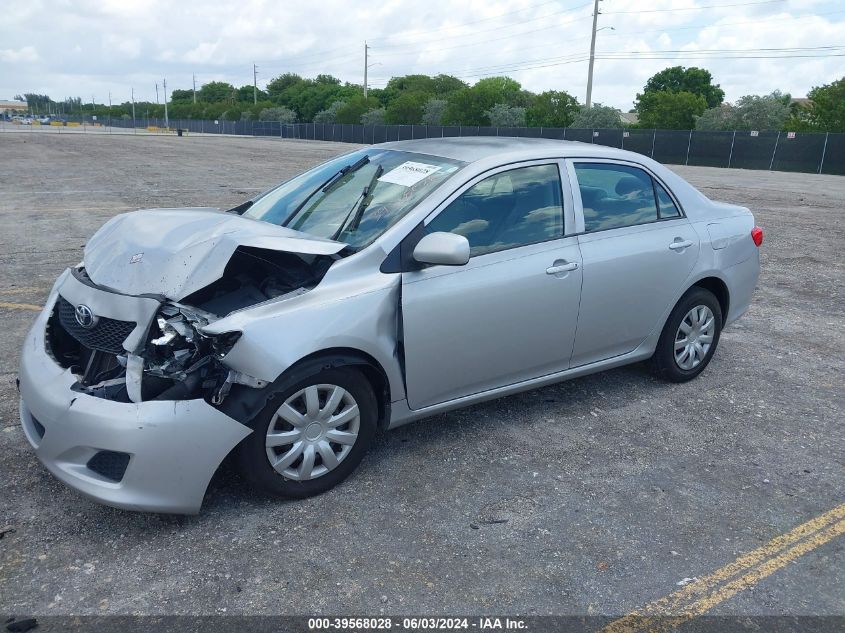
[[470, 149]]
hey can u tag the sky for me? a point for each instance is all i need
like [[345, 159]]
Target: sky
[[90, 48]]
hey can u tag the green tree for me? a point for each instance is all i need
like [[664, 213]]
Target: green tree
[[412, 83], [503, 115], [245, 94], [406, 109], [373, 117], [673, 110], [597, 117], [469, 106], [329, 115], [327, 80], [353, 109], [722, 117], [283, 82], [698, 81], [433, 111], [279, 113], [751, 112], [827, 106], [181, 95], [216, 91], [445, 85], [552, 109]]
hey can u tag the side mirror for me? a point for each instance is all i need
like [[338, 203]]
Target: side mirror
[[447, 249]]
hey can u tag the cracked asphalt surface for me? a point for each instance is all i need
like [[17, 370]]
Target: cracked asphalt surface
[[593, 496]]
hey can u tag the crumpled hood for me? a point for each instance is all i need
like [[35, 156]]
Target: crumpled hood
[[175, 252]]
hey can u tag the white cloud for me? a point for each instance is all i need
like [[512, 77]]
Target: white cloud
[[97, 46], [129, 47], [23, 54]]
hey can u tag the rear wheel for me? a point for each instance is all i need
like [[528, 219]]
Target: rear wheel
[[689, 338], [311, 435]]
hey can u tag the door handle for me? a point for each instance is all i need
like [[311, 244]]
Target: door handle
[[680, 244], [562, 268]]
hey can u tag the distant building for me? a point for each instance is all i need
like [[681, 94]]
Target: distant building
[[12, 106], [629, 118]]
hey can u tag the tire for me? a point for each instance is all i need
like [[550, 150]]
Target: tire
[[314, 433], [688, 362]]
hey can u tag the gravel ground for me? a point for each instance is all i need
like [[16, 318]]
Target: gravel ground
[[589, 497]]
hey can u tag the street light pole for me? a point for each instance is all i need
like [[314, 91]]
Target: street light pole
[[254, 84], [134, 130], [166, 119], [592, 54], [366, 48]]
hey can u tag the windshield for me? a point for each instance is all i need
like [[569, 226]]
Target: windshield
[[354, 198]]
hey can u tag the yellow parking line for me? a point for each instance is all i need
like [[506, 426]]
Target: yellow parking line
[[705, 593], [20, 306]]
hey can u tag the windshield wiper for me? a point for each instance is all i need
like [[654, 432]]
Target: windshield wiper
[[361, 203], [241, 208], [326, 186]]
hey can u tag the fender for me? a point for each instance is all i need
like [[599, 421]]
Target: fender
[[244, 403]]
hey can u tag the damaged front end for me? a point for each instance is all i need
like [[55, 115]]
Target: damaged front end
[[176, 360], [173, 359], [129, 322]]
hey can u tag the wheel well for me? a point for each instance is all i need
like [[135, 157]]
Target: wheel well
[[718, 288], [346, 357]]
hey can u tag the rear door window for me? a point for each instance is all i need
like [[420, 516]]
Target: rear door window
[[615, 196]]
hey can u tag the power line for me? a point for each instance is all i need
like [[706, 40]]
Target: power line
[[455, 26], [752, 53], [656, 56], [709, 6], [498, 28], [620, 33], [506, 37]]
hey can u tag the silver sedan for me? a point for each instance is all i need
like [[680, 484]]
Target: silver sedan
[[386, 285]]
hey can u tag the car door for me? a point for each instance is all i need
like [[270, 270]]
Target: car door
[[510, 313], [638, 249]]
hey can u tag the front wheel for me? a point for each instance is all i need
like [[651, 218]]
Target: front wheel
[[689, 337], [311, 435]]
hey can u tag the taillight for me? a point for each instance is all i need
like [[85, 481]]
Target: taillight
[[757, 235]]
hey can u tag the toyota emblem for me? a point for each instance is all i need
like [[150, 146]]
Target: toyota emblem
[[85, 317]]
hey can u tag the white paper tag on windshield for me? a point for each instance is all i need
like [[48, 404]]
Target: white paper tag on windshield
[[409, 173]]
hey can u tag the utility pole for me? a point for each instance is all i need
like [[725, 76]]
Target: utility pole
[[166, 120], [366, 48], [254, 83], [592, 55], [195, 89], [133, 110], [156, 93], [109, 111]]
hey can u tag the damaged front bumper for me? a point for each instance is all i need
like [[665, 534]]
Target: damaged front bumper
[[156, 455]]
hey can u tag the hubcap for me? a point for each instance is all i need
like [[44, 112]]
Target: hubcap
[[694, 337], [312, 432]]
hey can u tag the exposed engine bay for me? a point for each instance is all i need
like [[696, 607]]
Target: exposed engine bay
[[177, 361]]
